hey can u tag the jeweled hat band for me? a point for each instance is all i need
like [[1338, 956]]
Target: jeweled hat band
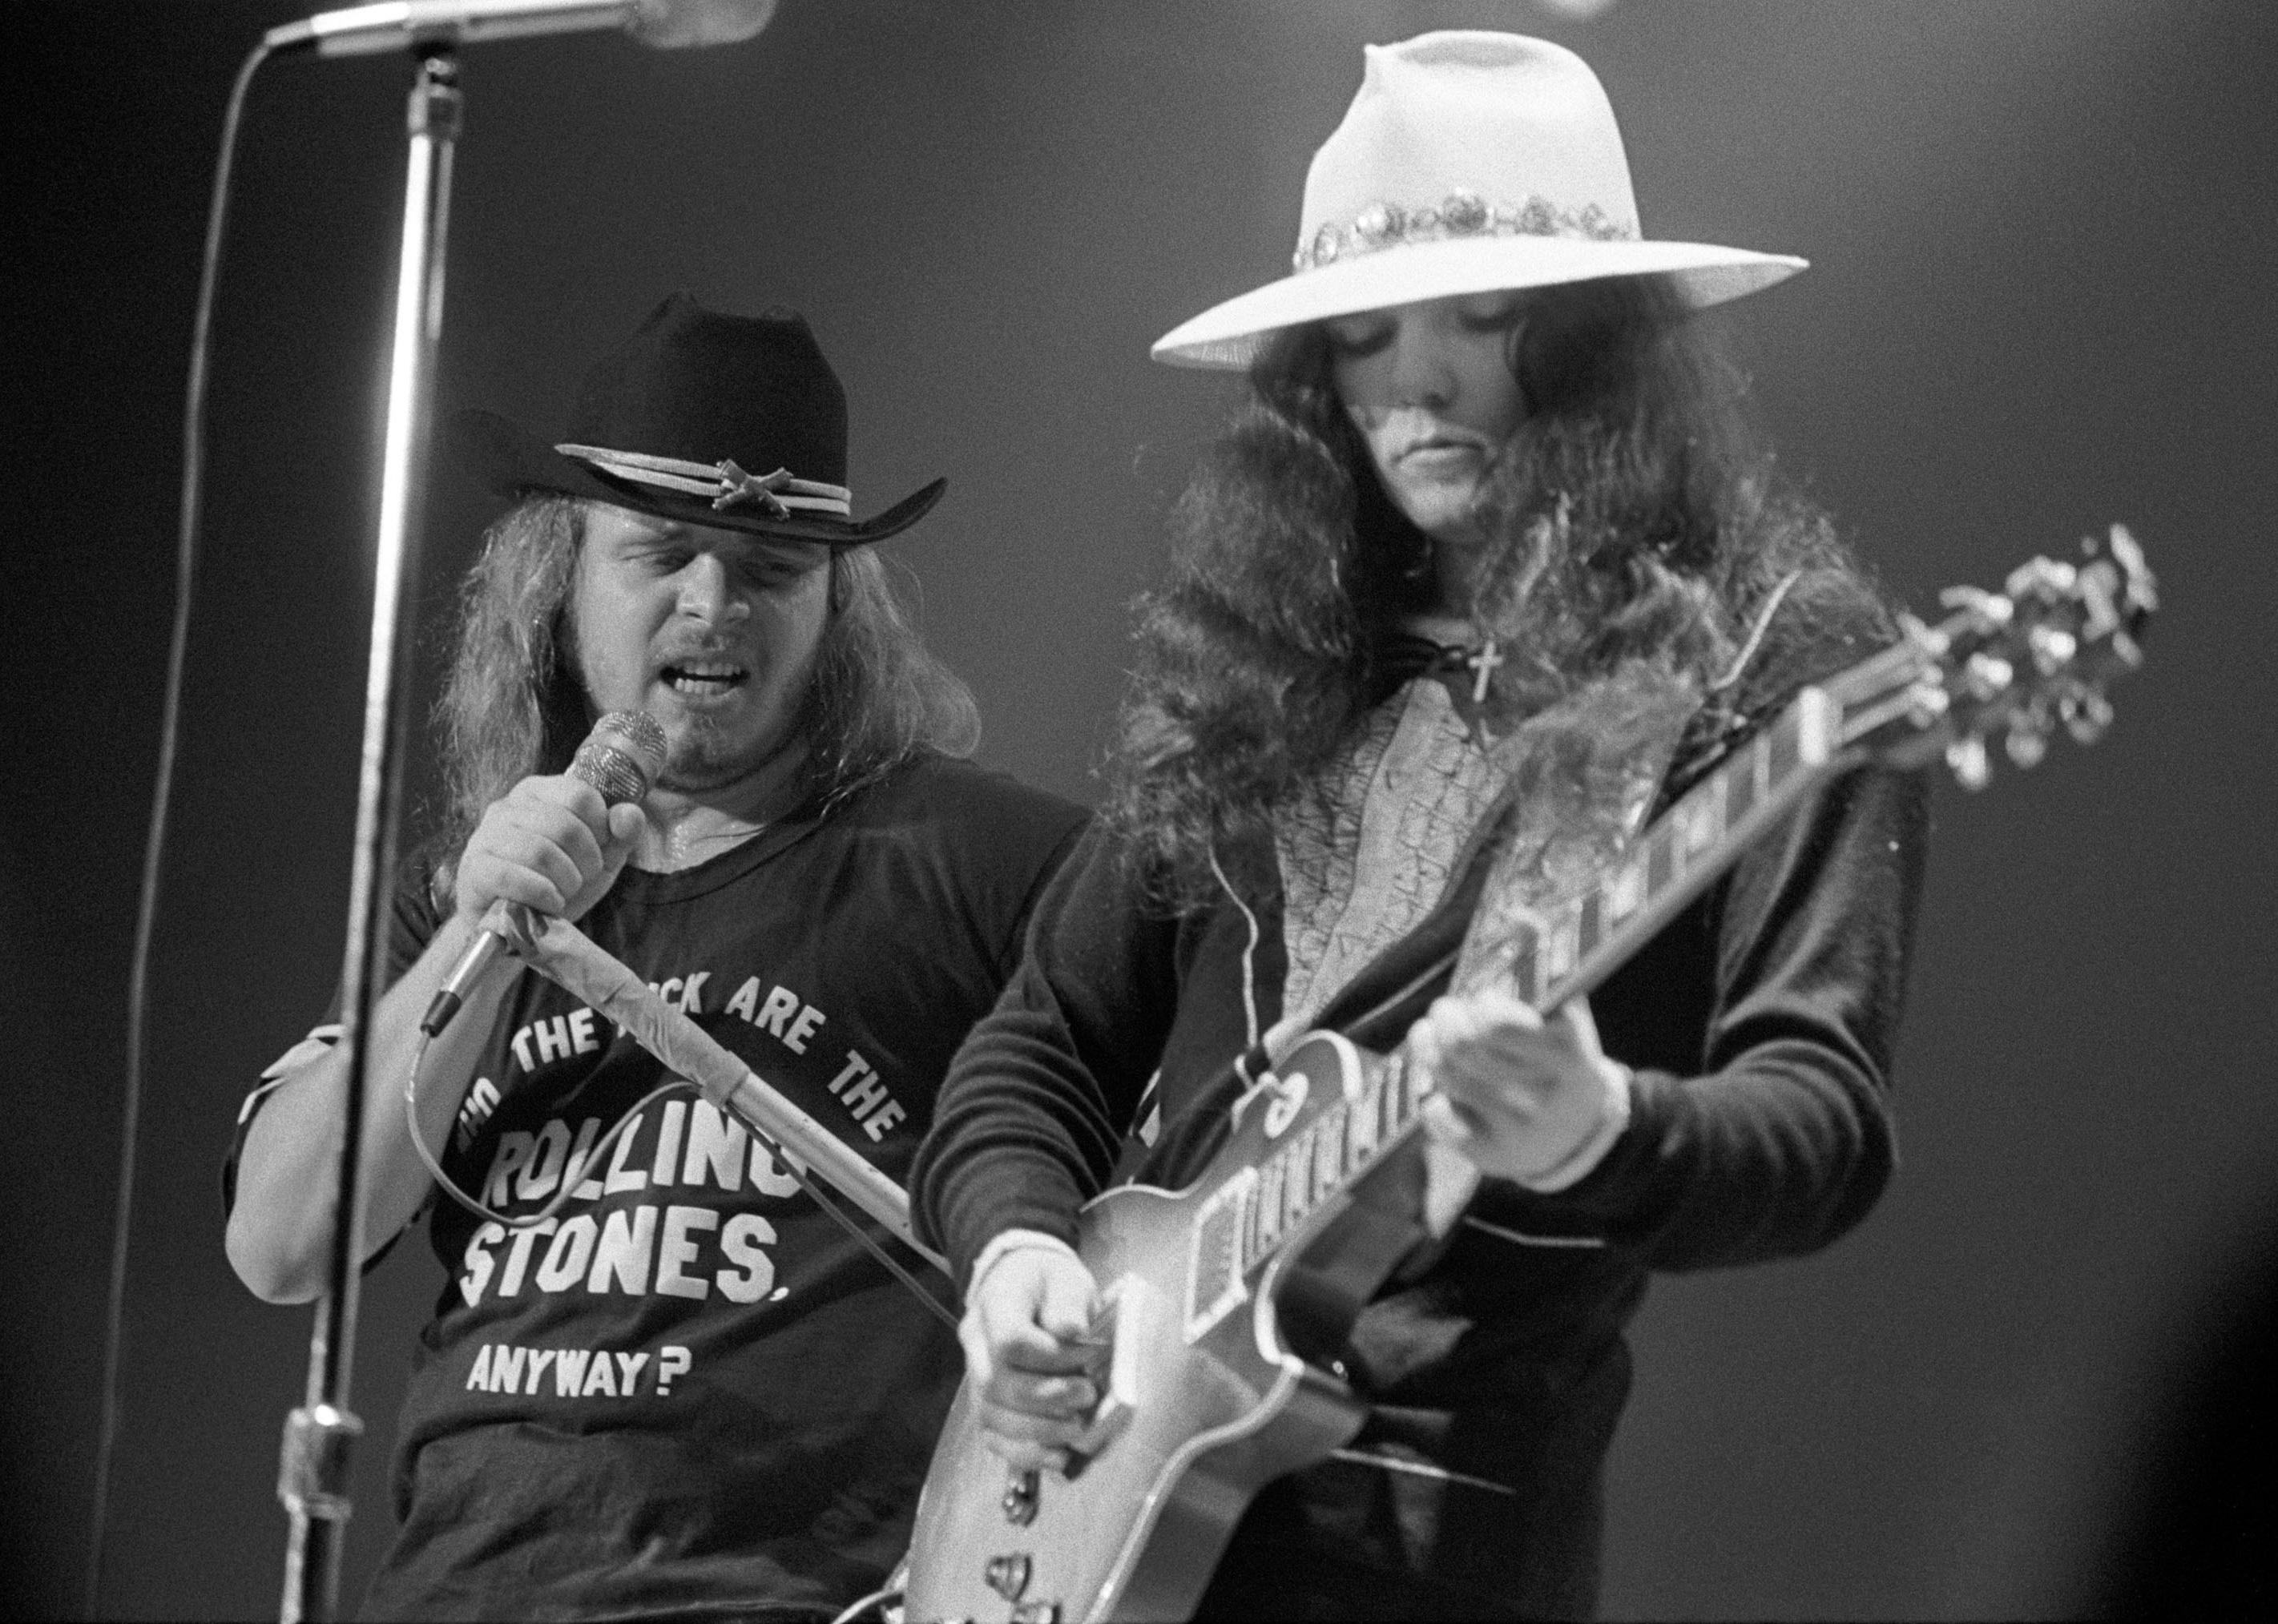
[[1493, 163], [778, 494], [1460, 214]]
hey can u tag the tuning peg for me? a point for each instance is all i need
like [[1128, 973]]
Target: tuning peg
[[2086, 713], [2141, 592], [1985, 675], [1991, 609], [2054, 648], [1927, 701], [2040, 577], [2099, 596], [1928, 639], [1966, 757]]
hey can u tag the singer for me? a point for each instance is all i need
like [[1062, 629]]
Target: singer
[[661, 1382], [1484, 572]]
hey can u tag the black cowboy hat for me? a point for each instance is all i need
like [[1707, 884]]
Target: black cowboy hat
[[735, 421]]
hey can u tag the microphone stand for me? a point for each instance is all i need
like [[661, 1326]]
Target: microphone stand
[[312, 1478]]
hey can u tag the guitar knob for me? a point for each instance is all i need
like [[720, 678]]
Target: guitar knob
[[1008, 1574], [1020, 1501]]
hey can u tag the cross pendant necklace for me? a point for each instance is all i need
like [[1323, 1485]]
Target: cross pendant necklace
[[1484, 664]]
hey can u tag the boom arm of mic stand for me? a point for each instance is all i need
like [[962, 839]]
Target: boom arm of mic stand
[[567, 956]]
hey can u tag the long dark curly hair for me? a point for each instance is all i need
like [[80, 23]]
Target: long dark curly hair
[[513, 704], [1634, 524]]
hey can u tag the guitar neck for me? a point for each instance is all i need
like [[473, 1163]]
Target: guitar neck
[[1574, 944], [1561, 952], [2020, 663]]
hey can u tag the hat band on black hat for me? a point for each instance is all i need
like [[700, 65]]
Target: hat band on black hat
[[778, 493]]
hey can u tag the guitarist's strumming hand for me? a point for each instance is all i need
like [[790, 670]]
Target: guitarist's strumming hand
[[1517, 1094], [1029, 1348]]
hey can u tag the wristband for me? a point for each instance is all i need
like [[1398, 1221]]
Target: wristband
[[1575, 1164], [1008, 1241]]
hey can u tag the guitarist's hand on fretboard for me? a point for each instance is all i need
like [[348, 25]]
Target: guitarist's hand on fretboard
[[1519, 1095], [1032, 1365]]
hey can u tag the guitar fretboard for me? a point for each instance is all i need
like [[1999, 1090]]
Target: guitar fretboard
[[1555, 953]]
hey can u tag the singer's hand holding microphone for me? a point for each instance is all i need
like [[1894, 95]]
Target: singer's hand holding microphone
[[554, 844]]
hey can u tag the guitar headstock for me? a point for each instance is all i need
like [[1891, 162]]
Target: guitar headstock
[[2020, 662]]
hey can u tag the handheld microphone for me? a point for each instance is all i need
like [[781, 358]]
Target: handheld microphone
[[361, 30], [620, 758]]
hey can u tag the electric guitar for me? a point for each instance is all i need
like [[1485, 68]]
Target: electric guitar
[[1225, 1303]]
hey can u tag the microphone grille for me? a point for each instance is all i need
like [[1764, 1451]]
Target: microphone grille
[[622, 756], [671, 24]]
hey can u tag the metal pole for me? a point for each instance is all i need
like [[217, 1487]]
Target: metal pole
[[313, 1473]]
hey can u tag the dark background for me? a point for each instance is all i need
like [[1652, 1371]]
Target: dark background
[[2042, 232]]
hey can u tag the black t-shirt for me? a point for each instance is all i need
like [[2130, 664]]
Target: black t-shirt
[[690, 1392]]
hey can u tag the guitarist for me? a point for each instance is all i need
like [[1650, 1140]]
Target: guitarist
[[1488, 533]]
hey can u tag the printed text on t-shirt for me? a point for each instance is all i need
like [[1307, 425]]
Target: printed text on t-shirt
[[576, 1372], [778, 1010]]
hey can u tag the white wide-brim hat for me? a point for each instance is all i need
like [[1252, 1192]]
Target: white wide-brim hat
[[1468, 161]]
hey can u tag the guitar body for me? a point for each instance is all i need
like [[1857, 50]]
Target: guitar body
[[1214, 1398]]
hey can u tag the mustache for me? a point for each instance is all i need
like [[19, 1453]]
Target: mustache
[[680, 650]]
